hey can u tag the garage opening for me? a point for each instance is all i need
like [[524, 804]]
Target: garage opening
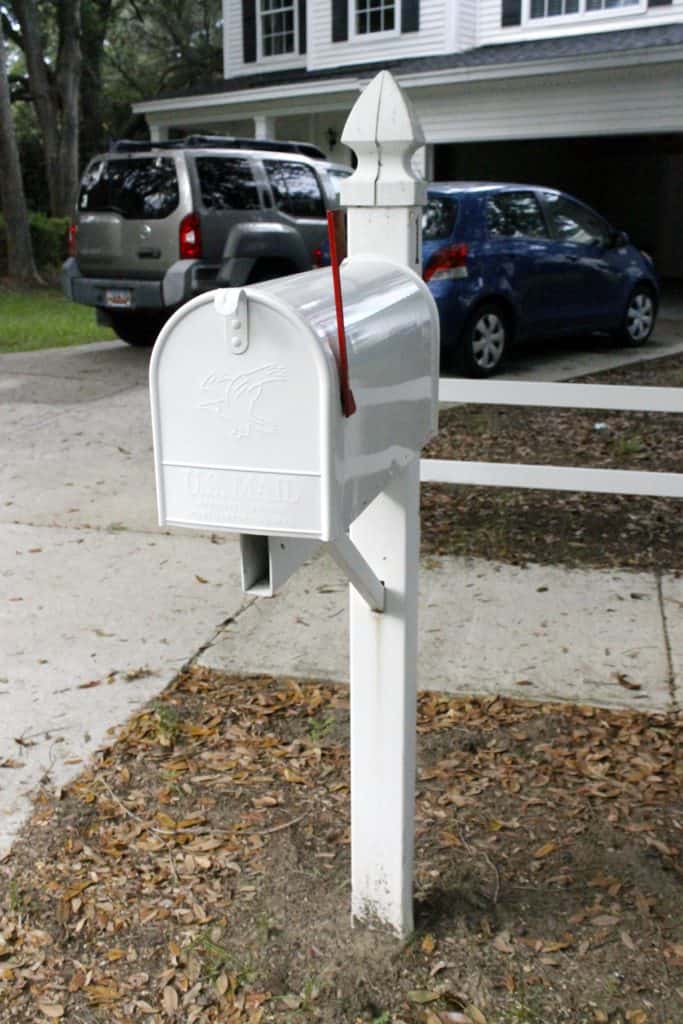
[[632, 180]]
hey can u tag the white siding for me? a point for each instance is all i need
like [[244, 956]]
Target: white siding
[[490, 31], [619, 101], [233, 62], [435, 36]]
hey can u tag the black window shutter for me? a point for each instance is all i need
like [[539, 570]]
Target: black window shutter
[[249, 31], [512, 13], [658, 3], [302, 26], [340, 20], [410, 15]]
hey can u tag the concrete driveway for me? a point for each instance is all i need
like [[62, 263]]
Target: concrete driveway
[[99, 608]]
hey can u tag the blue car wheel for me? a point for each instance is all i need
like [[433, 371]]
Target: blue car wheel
[[639, 317], [484, 341]]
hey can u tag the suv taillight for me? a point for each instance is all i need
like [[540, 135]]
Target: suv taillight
[[190, 237], [73, 231], [447, 264]]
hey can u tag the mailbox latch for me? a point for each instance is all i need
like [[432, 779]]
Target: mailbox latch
[[231, 303]]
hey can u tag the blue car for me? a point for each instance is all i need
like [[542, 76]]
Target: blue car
[[508, 262]]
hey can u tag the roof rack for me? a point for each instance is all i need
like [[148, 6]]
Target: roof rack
[[219, 142]]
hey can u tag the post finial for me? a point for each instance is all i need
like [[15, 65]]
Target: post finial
[[383, 130]]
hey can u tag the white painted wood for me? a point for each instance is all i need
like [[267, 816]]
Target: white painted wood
[[615, 19], [383, 131], [567, 396], [552, 478], [557, 478], [533, 101], [377, 47], [383, 670], [362, 578]]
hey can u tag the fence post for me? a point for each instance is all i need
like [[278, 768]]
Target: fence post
[[384, 198]]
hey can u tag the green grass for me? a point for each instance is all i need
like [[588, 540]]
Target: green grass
[[33, 318]]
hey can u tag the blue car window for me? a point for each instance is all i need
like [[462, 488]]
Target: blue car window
[[514, 215], [573, 222], [438, 218]]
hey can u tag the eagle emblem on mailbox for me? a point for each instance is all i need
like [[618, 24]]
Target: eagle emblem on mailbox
[[234, 399]]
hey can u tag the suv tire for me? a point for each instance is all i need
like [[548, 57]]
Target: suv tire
[[139, 329]]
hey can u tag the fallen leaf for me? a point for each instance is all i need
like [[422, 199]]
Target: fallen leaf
[[169, 1000], [428, 944], [52, 1010], [475, 1014], [421, 995], [502, 943], [545, 850], [200, 579]]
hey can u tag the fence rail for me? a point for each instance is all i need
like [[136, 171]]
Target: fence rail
[[557, 478]]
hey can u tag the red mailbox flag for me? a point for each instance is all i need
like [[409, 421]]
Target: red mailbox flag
[[336, 233]]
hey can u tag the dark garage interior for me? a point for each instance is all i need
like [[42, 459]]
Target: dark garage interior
[[635, 181]]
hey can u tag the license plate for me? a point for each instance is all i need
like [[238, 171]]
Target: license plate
[[118, 298]]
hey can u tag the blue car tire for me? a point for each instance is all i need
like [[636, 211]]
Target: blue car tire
[[639, 317], [483, 341]]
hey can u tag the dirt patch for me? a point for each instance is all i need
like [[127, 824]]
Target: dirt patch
[[553, 527], [199, 871]]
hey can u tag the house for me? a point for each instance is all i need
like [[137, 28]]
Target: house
[[584, 95]]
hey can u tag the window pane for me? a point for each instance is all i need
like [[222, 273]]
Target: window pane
[[515, 215], [137, 189], [575, 223], [375, 16], [438, 218], [227, 184], [295, 188], [277, 27]]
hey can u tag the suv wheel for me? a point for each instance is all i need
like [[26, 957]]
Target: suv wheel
[[484, 341], [639, 317], [137, 328]]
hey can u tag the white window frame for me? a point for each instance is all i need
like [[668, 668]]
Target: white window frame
[[288, 54], [582, 15], [385, 33]]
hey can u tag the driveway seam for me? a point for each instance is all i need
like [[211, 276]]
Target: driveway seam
[[231, 619], [671, 671]]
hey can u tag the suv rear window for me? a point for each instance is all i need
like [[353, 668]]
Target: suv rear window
[[141, 188], [295, 188], [438, 218], [227, 183]]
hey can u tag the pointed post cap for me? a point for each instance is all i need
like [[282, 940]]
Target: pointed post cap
[[383, 130]]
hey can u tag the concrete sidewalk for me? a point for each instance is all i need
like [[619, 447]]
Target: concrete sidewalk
[[544, 633]]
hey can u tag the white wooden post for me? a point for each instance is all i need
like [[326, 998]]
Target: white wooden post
[[384, 198]]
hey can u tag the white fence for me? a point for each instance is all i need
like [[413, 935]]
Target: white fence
[[557, 478]]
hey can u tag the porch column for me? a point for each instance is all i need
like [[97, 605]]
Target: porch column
[[158, 132], [264, 127]]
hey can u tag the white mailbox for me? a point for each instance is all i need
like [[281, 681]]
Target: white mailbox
[[249, 435]]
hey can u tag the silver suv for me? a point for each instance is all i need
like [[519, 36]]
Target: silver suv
[[156, 224]]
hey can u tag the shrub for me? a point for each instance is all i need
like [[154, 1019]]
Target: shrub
[[49, 236]]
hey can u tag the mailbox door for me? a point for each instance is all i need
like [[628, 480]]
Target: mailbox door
[[241, 438]]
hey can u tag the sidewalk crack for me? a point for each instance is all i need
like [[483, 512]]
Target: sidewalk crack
[[193, 660], [671, 672]]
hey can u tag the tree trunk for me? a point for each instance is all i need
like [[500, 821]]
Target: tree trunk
[[19, 250], [96, 15], [55, 97]]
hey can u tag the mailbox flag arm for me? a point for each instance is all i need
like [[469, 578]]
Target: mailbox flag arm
[[350, 561], [347, 400]]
